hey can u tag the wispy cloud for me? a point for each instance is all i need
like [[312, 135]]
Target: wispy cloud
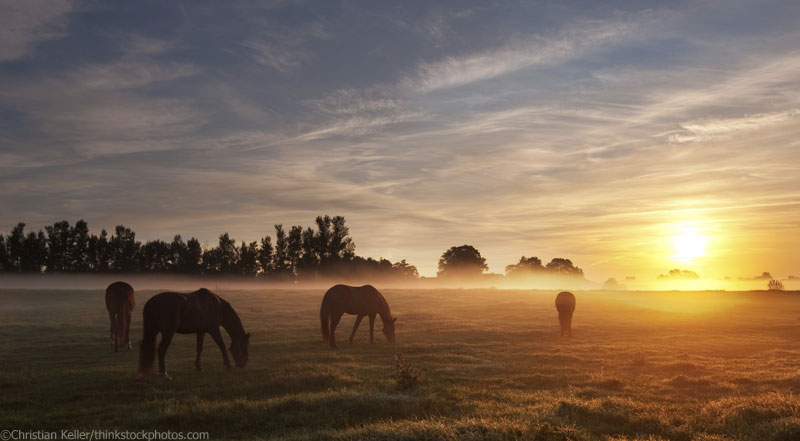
[[724, 128], [24, 24]]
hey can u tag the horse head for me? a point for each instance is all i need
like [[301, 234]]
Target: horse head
[[388, 329], [239, 350]]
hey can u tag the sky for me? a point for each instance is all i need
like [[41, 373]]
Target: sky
[[610, 133]]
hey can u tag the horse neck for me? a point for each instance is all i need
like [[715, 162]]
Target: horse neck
[[385, 313], [231, 322]]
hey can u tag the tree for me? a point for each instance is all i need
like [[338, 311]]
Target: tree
[[15, 247], [463, 261], [294, 248], [124, 250], [281, 256], [525, 267], [155, 256], [405, 269], [5, 263], [248, 262], [99, 252], [264, 256], [565, 267], [34, 253], [59, 244], [310, 260], [79, 257], [228, 256], [775, 285], [191, 260]]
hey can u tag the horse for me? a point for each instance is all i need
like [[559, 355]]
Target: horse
[[565, 304], [361, 301], [199, 312], [120, 303]]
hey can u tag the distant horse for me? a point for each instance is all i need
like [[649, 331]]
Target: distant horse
[[120, 303], [565, 304], [361, 301], [198, 313]]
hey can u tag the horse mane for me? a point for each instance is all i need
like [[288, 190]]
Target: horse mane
[[231, 321], [385, 312]]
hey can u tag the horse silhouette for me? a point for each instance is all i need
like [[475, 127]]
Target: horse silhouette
[[565, 304], [120, 303], [198, 313], [361, 301]]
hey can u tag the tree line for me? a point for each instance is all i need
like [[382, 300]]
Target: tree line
[[296, 253]]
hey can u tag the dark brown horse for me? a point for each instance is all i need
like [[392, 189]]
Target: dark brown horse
[[361, 301], [120, 303], [565, 304], [198, 313]]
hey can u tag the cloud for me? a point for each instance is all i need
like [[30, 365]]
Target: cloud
[[24, 24], [724, 128], [540, 50], [282, 48]]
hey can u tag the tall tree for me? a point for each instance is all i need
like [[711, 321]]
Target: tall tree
[[34, 253], [124, 250], [155, 256], [228, 254], [281, 255], [5, 262], [525, 267], [463, 261], [79, 256], [294, 248], [59, 244], [99, 253], [265, 255], [310, 259], [405, 269], [565, 267], [248, 259], [191, 261]]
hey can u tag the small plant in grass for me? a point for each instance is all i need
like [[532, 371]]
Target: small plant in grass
[[775, 285], [407, 376]]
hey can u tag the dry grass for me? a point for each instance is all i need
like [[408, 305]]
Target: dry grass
[[642, 366]]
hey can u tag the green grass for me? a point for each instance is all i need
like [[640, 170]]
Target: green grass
[[642, 366]]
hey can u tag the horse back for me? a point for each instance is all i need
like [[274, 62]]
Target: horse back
[[119, 297], [199, 311], [357, 300], [565, 302]]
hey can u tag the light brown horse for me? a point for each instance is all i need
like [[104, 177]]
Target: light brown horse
[[361, 301], [120, 303], [565, 304]]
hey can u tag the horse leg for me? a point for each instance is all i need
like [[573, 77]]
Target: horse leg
[[372, 329], [113, 339], [200, 336], [218, 340], [166, 338], [355, 326], [334, 323], [128, 330]]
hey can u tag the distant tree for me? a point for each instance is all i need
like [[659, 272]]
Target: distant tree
[[155, 256], [294, 248], [463, 261], [281, 256], [310, 261], [775, 285], [59, 244], [679, 274], [341, 246], [405, 269], [248, 259], [124, 250], [525, 267], [34, 253], [15, 243], [265, 255], [612, 284], [5, 262], [79, 256], [563, 267], [99, 252], [228, 255], [191, 260]]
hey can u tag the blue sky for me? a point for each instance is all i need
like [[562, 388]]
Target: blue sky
[[590, 130]]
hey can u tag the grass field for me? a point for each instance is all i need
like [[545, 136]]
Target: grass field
[[641, 366]]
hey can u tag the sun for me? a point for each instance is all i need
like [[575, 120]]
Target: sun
[[689, 245]]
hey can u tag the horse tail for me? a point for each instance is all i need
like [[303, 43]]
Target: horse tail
[[147, 349], [120, 324], [324, 321]]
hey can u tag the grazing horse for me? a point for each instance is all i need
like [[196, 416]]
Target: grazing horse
[[565, 304], [198, 313], [361, 301], [120, 303]]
